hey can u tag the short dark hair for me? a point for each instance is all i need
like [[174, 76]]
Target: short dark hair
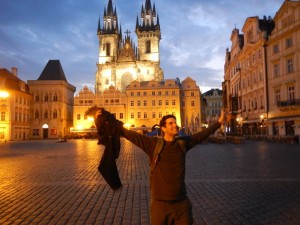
[[162, 122]]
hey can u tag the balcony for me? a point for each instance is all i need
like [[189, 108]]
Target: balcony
[[289, 104]]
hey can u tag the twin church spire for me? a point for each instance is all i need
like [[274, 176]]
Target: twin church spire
[[149, 19]]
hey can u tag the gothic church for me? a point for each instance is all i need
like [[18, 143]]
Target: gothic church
[[120, 60]]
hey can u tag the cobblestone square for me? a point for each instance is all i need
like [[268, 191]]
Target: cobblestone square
[[44, 182]]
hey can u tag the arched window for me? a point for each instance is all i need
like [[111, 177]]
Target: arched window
[[46, 114], [46, 98], [55, 114]]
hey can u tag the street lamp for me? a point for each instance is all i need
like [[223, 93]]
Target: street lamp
[[4, 94], [261, 123]]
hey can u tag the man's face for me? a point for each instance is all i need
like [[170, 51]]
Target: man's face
[[171, 128]]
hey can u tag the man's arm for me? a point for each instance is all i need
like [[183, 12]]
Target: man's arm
[[147, 144], [202, 135]]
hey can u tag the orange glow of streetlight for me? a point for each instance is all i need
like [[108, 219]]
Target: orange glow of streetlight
[[4, 94]]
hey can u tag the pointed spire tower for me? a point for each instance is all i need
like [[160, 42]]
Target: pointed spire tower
[[148, 33], [108, 34]]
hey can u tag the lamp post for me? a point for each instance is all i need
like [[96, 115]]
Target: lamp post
[[261, 123]]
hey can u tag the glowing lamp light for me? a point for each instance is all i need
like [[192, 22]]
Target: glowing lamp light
[[91, 119], [79, 127], [4, 94]]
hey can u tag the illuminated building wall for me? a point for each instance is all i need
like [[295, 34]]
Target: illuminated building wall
[[15, 107], [52, 103]]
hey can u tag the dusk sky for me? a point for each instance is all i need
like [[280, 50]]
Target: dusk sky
[[195, 35]]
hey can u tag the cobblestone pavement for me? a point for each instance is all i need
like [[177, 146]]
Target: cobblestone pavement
[[44, 182]]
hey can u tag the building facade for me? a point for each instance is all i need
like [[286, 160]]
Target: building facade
[[52, 103], [284, 72], [120, 61], [142, 105], [15, 107], [212, 106], [261, 76]]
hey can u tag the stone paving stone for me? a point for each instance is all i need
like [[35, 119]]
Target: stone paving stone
[[42, 182]]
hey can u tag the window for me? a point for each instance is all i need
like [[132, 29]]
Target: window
[[78, 116], [138, 93], [138, 103], [290, 67], [289, 42], [145, 102], [131, 103], [139, 115], [148, 46], [145, 115], [166, 93], [159, 93], [131, 93], [2, 116], [153, 115], [121, 116], [167, 102], [173, 102], [132, 115], [173, 93], [160, 115], [276, 70], [153, 92], [192, 94], [55, 114], [153, 102], [37, 98], [46, 98], [159, 102], [107, 49], [275, 49], [55, 98], [36, 132], [192, 103], [291, 94]]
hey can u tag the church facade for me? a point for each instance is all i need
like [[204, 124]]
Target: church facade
[[120, 61]]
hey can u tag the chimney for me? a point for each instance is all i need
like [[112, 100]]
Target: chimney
[[14, 71]]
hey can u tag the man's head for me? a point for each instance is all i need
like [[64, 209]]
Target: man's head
[[168, 126]]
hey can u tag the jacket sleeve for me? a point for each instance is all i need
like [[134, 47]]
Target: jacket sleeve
[[147, 144], [199, 137]]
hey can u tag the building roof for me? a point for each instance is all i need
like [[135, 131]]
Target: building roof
[[4, 73], [11, 81], [212, 91], [53, 71]]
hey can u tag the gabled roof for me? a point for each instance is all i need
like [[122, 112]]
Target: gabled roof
[[53, 71], [8, 75]]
